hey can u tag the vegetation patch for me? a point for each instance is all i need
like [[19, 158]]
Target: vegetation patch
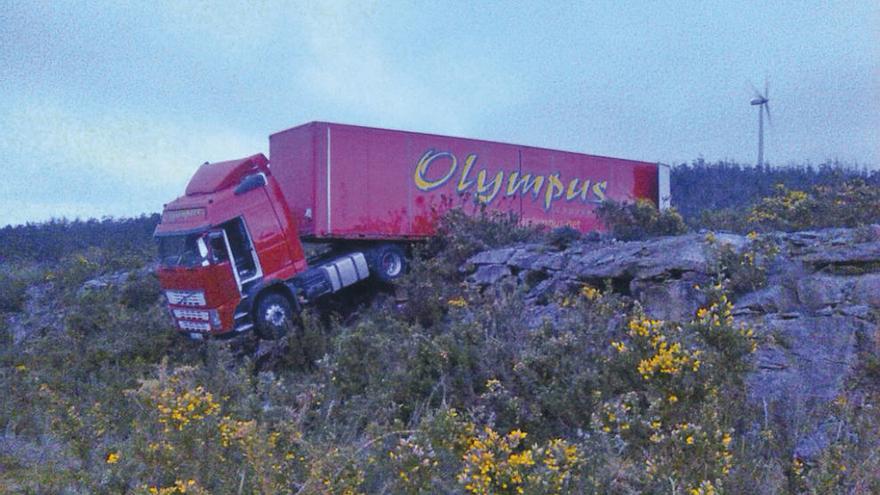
[[451, 392], [639, 220]]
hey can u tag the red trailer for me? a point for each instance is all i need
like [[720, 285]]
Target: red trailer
[[231, 255], [345, 181]]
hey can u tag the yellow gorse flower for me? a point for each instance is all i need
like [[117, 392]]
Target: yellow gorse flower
[[590, 293], [705, 488], [725, 440], [179, 486], [668, 357], [495, 463], [178, 410], [457, 302]]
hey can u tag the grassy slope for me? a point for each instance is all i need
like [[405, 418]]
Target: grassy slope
[[452, 393]]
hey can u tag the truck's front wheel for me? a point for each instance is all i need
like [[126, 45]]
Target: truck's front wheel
[[389, 262], [274, 316]]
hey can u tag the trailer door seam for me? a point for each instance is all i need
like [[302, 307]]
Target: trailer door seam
[[328, 180]]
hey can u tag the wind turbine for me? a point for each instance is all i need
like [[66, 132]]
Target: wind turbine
[[762, 101]]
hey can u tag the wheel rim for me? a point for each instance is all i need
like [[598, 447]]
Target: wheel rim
[[391, 264], [276, 315]]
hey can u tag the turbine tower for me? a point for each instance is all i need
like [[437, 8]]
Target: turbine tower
[[762, 101]]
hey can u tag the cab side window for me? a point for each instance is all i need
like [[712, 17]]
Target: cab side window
[[240, 245], [218, 247]]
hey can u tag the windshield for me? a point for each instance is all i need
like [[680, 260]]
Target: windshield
[[182, 250]]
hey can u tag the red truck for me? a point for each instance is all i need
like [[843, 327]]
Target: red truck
[[231, 254]]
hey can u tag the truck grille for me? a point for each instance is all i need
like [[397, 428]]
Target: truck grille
[[185, 297], [196, 326], [192, 314]]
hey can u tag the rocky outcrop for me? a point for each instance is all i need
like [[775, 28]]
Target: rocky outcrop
[[115, 279], [42, 312], [45, 310], [817, 313]]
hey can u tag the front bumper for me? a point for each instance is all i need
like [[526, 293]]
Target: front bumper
[[203, 321]]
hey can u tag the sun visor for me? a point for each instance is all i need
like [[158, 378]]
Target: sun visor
[[213, 177]]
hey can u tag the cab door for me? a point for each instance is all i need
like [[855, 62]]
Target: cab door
[[219, 245], [237, 249]]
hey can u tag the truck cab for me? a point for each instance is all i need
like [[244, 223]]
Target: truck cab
[[231, 259], [222, 242]]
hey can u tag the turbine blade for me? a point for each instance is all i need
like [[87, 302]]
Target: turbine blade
[[767, 109], [766, 88]]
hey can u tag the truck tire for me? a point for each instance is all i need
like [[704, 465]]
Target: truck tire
[[389, 262], [274, 316]]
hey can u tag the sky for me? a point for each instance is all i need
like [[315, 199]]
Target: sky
[[107, 108]]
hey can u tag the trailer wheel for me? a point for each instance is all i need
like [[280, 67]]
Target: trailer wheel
[[274, 316], [389, 262]]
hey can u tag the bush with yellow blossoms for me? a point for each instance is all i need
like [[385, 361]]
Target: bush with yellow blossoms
[[743, 269], [672, 410], [497, 463]]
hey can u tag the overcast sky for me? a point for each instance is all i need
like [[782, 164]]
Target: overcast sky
[[108, 108]]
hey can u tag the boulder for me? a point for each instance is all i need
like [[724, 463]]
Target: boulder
[[866, 290], [833, 247], [550, 262], [810, 360], [819, 291], [656, 258], [668, 299], [523, 259], [772, 299], [489, 274], [495, 256]]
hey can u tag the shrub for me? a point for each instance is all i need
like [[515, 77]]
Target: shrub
[[640, 220], [849, 463], [15, 278], [562, 237], [728, 219], [667, 381], [720, 186], [848, 204], [12, 293], [460, 234], [141, 290], [742, 270], [434, 275]]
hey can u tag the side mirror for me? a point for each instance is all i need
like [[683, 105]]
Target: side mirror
[[252, 181]]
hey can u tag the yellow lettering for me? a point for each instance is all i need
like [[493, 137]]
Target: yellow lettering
[[425, 184], [574, 192], [482, 187], [554, 190], [489, 186], [599, 190], [524, 185], [463, 183]]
